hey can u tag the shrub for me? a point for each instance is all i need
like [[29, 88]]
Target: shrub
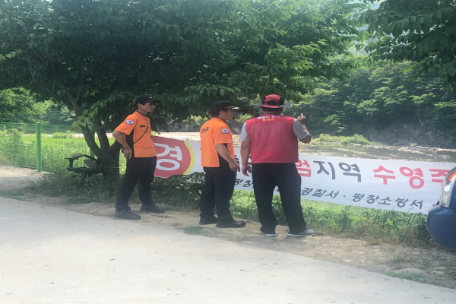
[[16, 151], [77, 188], [355, 139], [179, 190]]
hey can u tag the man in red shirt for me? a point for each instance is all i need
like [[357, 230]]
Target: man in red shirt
[[139, 151], [217, 159], [271, 140]]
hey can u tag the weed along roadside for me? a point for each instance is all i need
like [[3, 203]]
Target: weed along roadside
[[392, 243]]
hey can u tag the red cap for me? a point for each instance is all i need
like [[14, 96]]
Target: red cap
[[274, 101]]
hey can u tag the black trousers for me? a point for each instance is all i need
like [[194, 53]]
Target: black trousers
[[140, 171], [218, 189], [285, 176]]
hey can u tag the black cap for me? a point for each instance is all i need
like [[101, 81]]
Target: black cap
[[143, 99], [221, 105]]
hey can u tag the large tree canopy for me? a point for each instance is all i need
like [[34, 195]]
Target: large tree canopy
[[423, 31], [96, 55]]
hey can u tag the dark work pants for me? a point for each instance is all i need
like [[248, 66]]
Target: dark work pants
[[218, 189], [285, 176], [140, 171]]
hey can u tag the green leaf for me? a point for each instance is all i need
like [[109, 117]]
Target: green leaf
[[451, 71]]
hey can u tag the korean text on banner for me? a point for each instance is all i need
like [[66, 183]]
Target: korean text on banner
[[406, 186]]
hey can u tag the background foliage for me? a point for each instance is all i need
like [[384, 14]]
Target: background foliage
[[19, 105], [422, 31], [94, 56], [385, 102], [89, 58]]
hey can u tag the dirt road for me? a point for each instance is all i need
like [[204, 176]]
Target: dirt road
[[53, 255], [432, 266]]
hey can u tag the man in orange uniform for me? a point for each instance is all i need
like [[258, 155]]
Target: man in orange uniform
[[139, 151], [217, 159], [271, 140]]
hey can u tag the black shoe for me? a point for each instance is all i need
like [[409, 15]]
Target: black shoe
[[127, 215], [151, 209], [302, 233], [208, 220], [230, 224]]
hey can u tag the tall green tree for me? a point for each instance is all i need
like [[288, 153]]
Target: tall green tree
[[422, 31], [94, 56], [18, 105]]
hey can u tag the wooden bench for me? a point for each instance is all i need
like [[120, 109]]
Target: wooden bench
[[92, 165]]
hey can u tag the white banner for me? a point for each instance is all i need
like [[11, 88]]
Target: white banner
[[406, 186]]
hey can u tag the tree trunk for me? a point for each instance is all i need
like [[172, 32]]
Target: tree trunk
[[109, 155]]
